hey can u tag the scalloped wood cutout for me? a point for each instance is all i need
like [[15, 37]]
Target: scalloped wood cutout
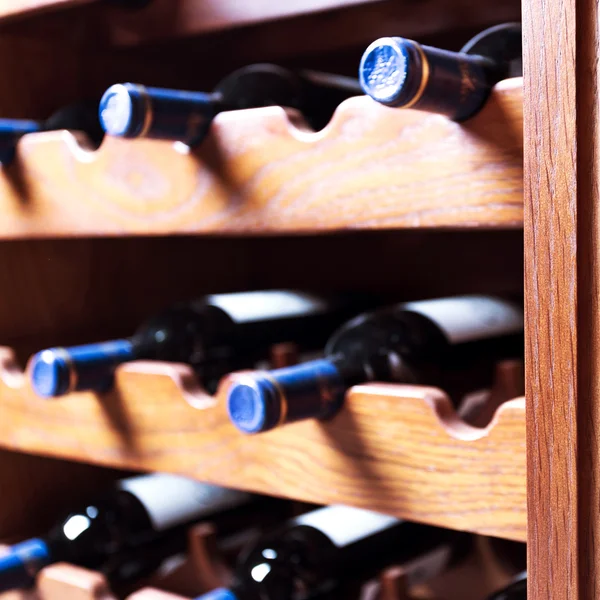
[[393, 448], [371, 167]]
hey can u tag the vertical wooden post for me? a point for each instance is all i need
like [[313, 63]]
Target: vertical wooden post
[[562, 286]]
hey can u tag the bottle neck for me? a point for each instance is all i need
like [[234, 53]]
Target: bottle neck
[[22, 562]]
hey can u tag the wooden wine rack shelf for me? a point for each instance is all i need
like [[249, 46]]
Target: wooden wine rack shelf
[[397, 449], [187, 16], [260, 171], [19, 8]]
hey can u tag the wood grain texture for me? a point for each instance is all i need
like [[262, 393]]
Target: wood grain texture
[[397, 449], [562, 287], [588, 295], [372, 167]]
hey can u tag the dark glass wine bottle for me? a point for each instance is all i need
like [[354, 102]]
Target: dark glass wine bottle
[[338, 546], [515, 591], [216, 335], [131, 110], [76, 117], [452, 343], [127, 534], [402, 73]]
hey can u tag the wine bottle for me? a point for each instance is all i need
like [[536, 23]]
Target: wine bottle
[[449, 342], [402, 73], [216, 335], [126, 534], [517, 590], [131, 110], [331, 547], [79, 117]]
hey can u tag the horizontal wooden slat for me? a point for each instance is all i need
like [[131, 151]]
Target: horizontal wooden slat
[[396, 449], [181, 15], [15, 8], [372, 168], [347, 21]]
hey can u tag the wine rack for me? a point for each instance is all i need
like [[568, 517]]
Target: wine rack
[[397, 449], [444, 208], [260, 171]]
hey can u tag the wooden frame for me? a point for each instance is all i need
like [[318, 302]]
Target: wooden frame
[[561, 141], [371, 455], [261, 171]]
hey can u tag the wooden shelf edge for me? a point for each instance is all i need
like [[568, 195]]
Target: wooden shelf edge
[[397, 449], [17, 9], [165, 18], [371, 168]]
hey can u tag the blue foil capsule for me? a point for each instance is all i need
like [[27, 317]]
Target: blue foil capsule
[[218, 594], [263, 400], [10, 132], [130, 110], [20, 564], [58, 371]]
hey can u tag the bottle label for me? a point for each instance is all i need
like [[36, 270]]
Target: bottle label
[[470, 318], [172, 500], [344, 525], [244, 307]]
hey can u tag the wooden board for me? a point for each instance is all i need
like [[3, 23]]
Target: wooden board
[[166, 19], [203, 15], [562, 259], [396, 449], [372, 167], [15, 8]]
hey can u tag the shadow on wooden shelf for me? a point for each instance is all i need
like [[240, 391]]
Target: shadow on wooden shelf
[[371, 168], [394, 448]]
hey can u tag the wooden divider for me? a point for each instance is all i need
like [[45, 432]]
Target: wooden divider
[[372, 168], [396, 449]]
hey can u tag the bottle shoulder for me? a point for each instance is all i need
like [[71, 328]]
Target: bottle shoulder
[[261, 85], [406, 332]]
